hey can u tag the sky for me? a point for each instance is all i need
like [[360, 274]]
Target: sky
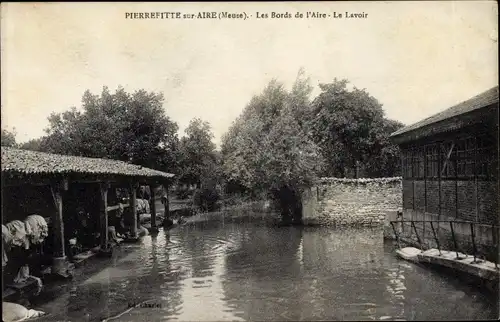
[[415, 58]]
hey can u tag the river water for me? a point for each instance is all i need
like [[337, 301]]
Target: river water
[[249, 271]]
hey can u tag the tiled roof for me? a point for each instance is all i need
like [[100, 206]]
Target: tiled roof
[[33, 162], [484, 99]]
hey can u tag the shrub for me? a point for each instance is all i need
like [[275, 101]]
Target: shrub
[[182, 193], [206, 198]]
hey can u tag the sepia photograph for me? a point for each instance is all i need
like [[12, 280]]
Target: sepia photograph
[[250, 161]]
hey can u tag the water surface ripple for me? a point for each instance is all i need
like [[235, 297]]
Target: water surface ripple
[[244, 271]]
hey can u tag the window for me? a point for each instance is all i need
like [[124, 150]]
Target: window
[[432, 161], [407, 163], [404, 163], [471, 157], [418, 162], [461, 154], [465, 159], [414, 163], [485, 156]]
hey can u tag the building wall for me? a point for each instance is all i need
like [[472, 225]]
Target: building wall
[[472, 198], [459, 184], [363, 202]]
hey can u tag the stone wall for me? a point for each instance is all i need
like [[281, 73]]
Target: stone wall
[[359, 202]]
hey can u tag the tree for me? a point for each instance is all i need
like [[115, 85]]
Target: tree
[[197, 152], [351, 130], [122, 126], [199, 163], [384, 160], [34, 144], [267, 148], [8, 138]]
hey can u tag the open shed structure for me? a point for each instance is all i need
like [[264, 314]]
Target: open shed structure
[[450, 165], [23, 169]]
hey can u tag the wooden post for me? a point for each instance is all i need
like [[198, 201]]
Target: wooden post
[[152, 188], [103, 211], [448, 158], [413, 159], [425, 187], [425, 178], [167, 203], [133, 206], [475, 178], [439, 151], [404, 177], [59, 265], [456, 184]]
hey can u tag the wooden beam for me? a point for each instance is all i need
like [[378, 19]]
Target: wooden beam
[[404, 156], [167, 204], [447, 157], [46, 180], [59, 264], [113, 208], [103, 212], [57, 221], [413, 178], [425, 185], [133, 206], [16, 180], [425, 178], [475, 179], [152, 190], [456, 186], [439, 148]]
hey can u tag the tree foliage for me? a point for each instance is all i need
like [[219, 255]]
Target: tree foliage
[[267, 148], [280, 143], [123, 126], [200, 164], [8, 138], [34, 144], [197, 156], [350, 128]]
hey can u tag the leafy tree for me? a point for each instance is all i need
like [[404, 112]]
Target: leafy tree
[[199, 164], [34, 144], [384, 158], [8, 138], [267, 149], [351, 130], [196, 152], [124, 126]]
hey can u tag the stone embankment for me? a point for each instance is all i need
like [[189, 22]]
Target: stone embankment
[[481, 272], [353, 202]]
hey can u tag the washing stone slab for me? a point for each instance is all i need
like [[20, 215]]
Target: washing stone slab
[[409, 253], [465, 263]]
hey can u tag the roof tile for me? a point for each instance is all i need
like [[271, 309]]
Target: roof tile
[[484, 99], [26, 161]]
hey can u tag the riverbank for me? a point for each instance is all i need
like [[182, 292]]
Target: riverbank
[[250, 210], [483, 274]]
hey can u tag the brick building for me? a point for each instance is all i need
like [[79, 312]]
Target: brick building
[[450, 163]]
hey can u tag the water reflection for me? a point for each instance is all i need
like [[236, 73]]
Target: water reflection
[[265, 266], [243, 271]]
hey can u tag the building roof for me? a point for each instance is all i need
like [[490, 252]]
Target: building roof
[[484, 99], [26, 162]]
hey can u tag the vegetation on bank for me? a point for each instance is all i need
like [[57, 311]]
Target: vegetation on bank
[[283, 141]]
